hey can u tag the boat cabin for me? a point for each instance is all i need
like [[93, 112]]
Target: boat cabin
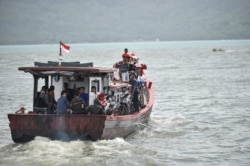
[[75, 74]]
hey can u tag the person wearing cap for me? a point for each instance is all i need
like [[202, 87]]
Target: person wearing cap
[[99, 104], [100, 100], [134, 58], [134, 91], [132, 66]]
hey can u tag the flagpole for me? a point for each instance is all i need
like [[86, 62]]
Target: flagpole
[[60, 49], [60, 54]]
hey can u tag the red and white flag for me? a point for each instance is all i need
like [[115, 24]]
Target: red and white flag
[[65, 47]]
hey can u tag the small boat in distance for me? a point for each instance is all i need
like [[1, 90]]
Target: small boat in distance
[[218, 50], [118, 120]]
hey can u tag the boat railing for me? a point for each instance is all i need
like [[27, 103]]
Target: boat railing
[[40, 110]]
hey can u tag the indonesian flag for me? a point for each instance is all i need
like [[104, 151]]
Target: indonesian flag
[[65, 47]]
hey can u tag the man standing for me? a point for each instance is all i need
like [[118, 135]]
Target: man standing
[[134, 91], [124, 66], [69, 92], [62, 103], [125, 54]]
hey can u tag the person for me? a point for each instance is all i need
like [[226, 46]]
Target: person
[[70, 92], [62, 103], [124, 67], [84, 95], [141, 84], [99, 105], [140, 79], [133, 60], [52, 101], [125, 54], [134, 92], [93, 89], [43, 99], [52, 88], [100, 100], [77, 104], [132, 67], [92, 95]]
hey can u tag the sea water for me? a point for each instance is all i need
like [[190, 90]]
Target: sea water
[[201, 113]]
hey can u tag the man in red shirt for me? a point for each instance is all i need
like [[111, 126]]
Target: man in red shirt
[[125, 54]]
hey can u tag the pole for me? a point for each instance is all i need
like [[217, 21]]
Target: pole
[[60, 54], [60, 49]]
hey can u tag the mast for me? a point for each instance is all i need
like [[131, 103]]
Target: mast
[[60, 54]]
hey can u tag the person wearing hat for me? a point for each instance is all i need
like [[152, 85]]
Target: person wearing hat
[[101, 100], [99, 105], [134, 91], [133, 58]]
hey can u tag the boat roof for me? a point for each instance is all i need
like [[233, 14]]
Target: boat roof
[[66, 69]]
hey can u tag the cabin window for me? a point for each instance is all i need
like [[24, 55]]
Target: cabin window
[[56, 78], [77, 78]]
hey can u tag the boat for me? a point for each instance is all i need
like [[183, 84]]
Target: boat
[[117, 121], [218, 50]]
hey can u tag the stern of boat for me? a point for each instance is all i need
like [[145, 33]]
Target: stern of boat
[[25, 127]]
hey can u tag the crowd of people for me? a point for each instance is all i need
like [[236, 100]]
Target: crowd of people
[[77, 101], [70, 102], [127, 65], [129, 73]]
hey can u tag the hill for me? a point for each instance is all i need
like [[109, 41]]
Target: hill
[[45, 21]]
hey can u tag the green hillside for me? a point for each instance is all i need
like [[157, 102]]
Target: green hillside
[[78, 21]]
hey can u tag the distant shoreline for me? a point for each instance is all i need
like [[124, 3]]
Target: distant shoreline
[[114, 42]]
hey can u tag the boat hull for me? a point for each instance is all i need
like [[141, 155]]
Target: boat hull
[[25, 127], [122, 126]]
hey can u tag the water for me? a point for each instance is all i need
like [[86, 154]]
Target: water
[[201, 114]]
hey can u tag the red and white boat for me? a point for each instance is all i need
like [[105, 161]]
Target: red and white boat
[[25, 125]]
